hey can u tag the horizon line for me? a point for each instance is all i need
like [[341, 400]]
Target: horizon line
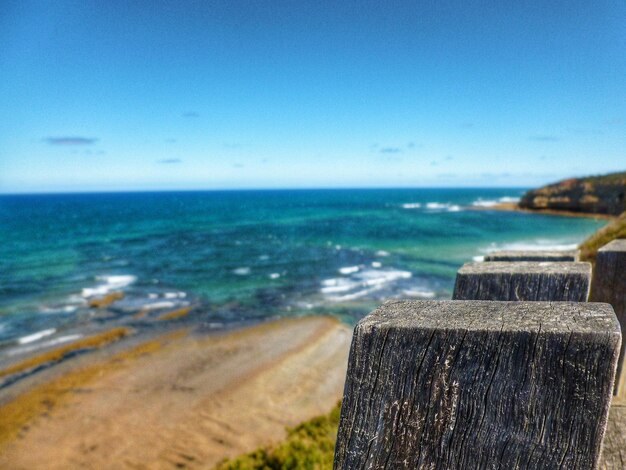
[[252, 189]]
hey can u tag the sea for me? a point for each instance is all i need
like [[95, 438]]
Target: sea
[[240, 257]]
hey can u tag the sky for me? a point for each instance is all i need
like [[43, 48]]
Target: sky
[[108, 96]]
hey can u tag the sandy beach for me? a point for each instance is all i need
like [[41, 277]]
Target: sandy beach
[[177, 401]]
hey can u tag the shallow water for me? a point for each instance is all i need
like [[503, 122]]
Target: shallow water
[[243, 255]]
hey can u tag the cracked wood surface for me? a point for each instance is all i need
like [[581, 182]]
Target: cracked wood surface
[[614, 449], [524, 281], [609, 285], [533, 255], [477, 384]]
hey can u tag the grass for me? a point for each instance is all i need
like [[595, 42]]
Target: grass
[[58, 354], [308, 446], [613, 230]]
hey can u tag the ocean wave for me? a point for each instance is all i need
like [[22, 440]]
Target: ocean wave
[[360, 284], [159, 305], [44, 344], [443, 206], [244, 271], [480, 202], [58, 309], [108, 284], [536, 245], [349, 269], [274, 275], [412, 205], [175, 295], [422, 294], [382, 253], [36, 336]]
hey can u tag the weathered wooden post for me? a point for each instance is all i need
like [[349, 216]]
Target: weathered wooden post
[[525, 280], [609, 285], [478, 384], [533, 255]]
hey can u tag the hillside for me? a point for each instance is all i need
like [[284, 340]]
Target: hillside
[[595, 194], [615, 229]]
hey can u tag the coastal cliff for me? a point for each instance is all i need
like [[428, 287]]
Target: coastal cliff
[[595, 194]]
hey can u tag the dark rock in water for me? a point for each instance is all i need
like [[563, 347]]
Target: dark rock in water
[[596, 194], [524, 280], [477, 384], [533, 255], [609, 285]]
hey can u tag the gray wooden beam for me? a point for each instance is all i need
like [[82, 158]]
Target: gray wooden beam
[[478, 384], [609, 285], [533, 255], [524, 280]]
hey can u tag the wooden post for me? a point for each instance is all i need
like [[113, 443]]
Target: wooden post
[[525, 280], [609, 285], [478, 384], [534, 255]]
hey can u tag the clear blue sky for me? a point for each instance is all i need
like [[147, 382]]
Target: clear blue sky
[[265, 94]]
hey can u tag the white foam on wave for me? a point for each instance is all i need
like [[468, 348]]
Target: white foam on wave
[[412, 205], [274, 275], [421, 294], [108, 284], [61, 309], [340, 284], [159, 305], [382, 253], [484, 203], [175, 295], [480, 202], [244, 271], [536, 245], [376, 264], [360, 284], [44, 344], [349, 269], [443, 206], [36, 336]]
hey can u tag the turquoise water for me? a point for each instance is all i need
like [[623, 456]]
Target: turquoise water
[[243, 255]]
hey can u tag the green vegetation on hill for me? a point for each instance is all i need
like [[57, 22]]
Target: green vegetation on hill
[[614, 229], [308, 446]]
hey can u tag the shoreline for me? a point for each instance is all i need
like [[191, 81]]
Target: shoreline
[[182, 399], [513, 207]]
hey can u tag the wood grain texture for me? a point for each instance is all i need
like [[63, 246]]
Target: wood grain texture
[[609, 285], [614, 449], [476, 384], [533, 255], [524, 281]]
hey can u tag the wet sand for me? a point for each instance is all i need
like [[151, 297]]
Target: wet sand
[[178, 401]]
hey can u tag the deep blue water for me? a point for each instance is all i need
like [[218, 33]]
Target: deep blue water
[[243, 255]]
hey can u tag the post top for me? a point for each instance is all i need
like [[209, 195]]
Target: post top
[[533, 255], [527, 267], [615, 245], [482, 315]]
